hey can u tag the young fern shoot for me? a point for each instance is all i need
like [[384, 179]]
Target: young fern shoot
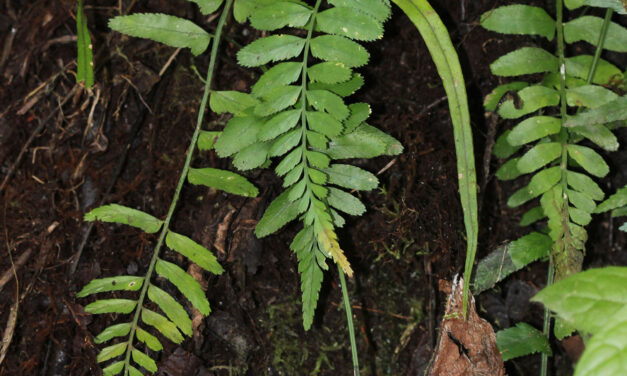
[[173, 321], [296, 111]]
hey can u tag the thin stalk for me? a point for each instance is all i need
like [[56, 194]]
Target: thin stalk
[[349, 319], [179, 187], [563, 139], [546, 329], [600, 43]]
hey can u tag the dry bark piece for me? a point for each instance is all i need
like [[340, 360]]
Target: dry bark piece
[[465, 347]]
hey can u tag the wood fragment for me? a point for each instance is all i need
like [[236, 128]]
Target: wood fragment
[[465, 347]]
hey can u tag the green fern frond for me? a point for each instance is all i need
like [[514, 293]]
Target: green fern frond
[[170, 319], [306, 124], [560, 167]]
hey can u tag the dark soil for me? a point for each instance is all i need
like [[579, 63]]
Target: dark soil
[[126, 144]]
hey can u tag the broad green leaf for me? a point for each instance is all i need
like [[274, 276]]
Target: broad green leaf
[[111, 352], [521, 340], [345, 202], [144, 360], [623, 228], [280, 212], [540, 183], [579, 216], [279, 75], [619, 6], [526, 60], [588, 28], [240, 132], [280, 14], [151, 341], [359, 113], [121, 214], [85, 59], [539, 156], [533, 98], [519, 19], [607, 113], [163, 325], [351, 177], [581, 201], [272, 48], [208, 6], [589, 159], [617, 200], [252, 156], [502, 148], [591, 96], [338, 49], [579, 66], [195, 252], [329, 72], [113, 331], [323, 100], [280, 124], [582, 183], [226, 181], [573, 4], [347, 22], [509, 258], [207, 139], [126, 283], [311, 280], [233, 102], [532, 215], [533, 128], [492, 100], [587, 299], [288, 163], [186, 284], [620, 212], [323, 123], [111, 306], [364, 142], [606, 351], [113, 369], [170, 30], [278, 99], [343, 89], [172, 308], [599, 134], [379, 10], [509, 170], [286, 142]]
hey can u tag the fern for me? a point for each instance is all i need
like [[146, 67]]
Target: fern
[[297, 113], [546, 145], [173, 321]]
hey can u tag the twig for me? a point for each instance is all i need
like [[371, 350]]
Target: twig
[[9, 274], [7, 336], [32, 137]]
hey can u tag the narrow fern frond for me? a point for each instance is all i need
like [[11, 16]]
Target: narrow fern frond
[[171, 320], [307, 124], [560, 168]]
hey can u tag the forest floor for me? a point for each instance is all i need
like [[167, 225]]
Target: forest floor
[[126, 144]]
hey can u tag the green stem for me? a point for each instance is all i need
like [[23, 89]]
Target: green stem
[[563, 139], [546, 330], [600, 43], [349, 319], [179, 187]]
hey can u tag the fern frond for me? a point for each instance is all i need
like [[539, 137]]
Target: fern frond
[[560, 167], [307, 123]]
